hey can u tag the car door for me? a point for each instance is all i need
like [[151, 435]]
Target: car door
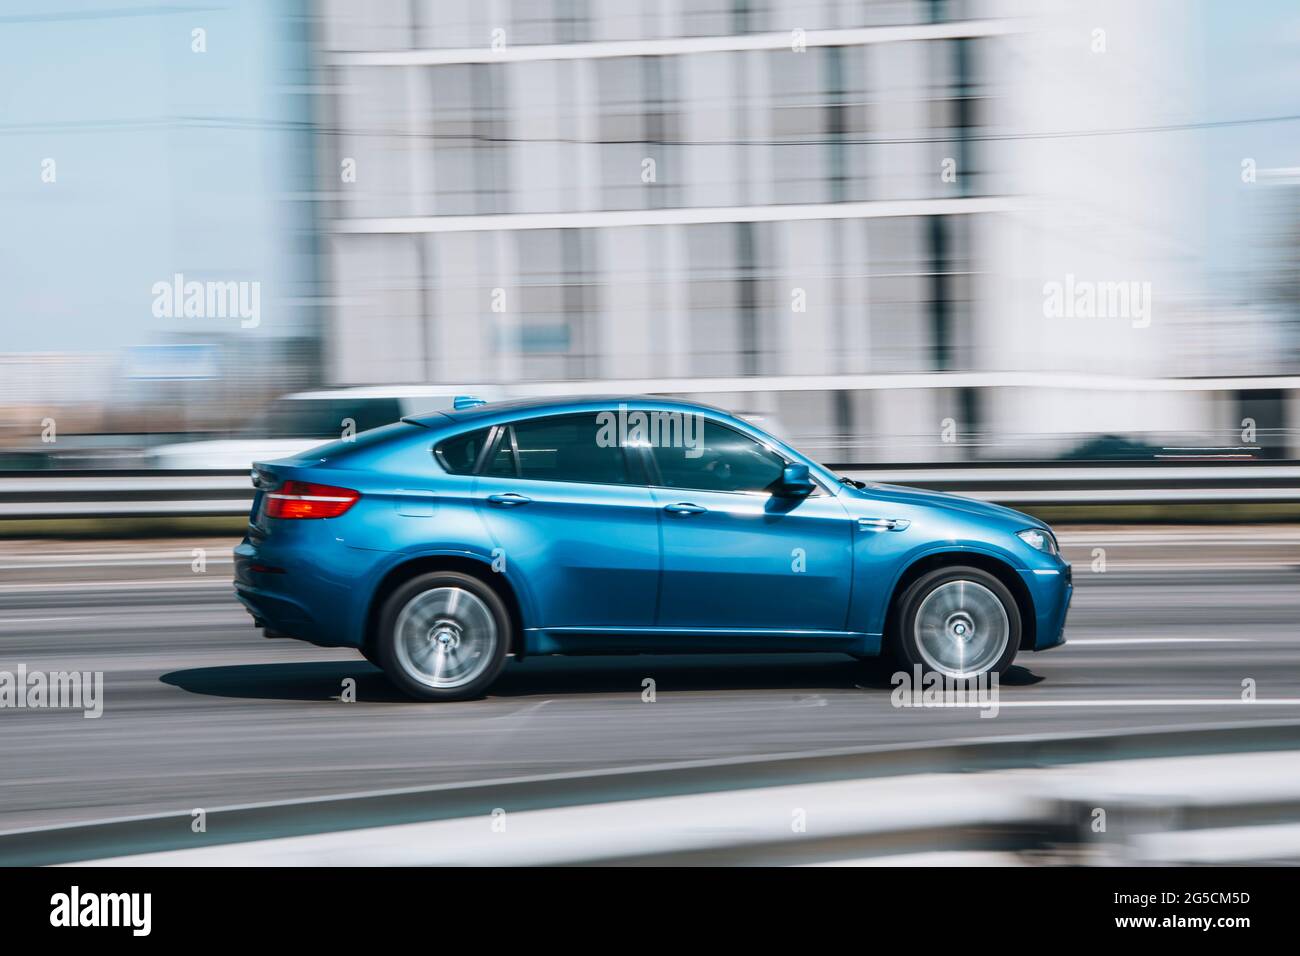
[[737, 556], [573, 518]]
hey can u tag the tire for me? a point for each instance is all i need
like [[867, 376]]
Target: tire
[[443, 636], [940, 607]]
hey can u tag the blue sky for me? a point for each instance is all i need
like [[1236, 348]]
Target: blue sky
[[163, 164], [1251, 53]]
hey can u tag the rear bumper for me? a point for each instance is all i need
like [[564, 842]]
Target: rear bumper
[[1051, 590], [297, 599], [275, 612]]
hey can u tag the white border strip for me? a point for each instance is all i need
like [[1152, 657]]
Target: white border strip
[[671, 46], [686, 216]]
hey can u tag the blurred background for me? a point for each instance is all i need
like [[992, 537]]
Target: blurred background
[[1041, 252], [844, 218]]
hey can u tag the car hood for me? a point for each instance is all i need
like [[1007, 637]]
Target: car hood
[[939, 499]]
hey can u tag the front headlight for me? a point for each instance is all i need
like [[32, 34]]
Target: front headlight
[[1039, 540]]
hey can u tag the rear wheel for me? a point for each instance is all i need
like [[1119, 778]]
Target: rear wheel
[[958, 621], [443, 636]]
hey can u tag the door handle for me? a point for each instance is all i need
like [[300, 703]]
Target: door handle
[[509, 500], [883, 524], [685, 509]]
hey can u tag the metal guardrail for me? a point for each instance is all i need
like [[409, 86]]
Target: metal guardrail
[[1056, 825], [137, 494], [115, 494]]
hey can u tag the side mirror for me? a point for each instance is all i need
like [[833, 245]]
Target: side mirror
[[796, 482]]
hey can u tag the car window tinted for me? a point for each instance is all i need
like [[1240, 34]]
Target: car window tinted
[[502, 464], [724, 460], [459, 455], [565, 448], [322, 418]]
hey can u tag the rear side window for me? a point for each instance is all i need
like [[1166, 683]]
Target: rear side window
[[563, 448], [459, 455]]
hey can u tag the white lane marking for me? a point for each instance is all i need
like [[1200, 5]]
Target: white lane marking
[[132, 618], [222, 548], [1098, 641], [1124, 538], [523, 711], [84, 561], [1140, 702], [42, 620], [198, 581]]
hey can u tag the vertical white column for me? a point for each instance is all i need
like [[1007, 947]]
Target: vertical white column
[[499, 247], [670, 243]]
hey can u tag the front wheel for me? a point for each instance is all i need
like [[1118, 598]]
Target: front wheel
[[443, 636], [958, 621]]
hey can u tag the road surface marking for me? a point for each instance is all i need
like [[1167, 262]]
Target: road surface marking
[[1143, 702], [1097, 641], [198, 581]]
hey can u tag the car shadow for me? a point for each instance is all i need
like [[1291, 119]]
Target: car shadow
[[549, 676], [319, 681], [1017, 676], [677, 672]]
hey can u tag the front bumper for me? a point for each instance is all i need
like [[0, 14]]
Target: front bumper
[[1051, 590]]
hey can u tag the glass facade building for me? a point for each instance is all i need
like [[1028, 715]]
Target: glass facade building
[[843, 215], [554, 191]]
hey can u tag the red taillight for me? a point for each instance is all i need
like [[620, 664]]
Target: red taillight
[[305, 499]]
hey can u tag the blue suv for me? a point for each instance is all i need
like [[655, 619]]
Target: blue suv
[[440, 545]]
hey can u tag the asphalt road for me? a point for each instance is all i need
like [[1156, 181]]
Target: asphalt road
[[201, 711]]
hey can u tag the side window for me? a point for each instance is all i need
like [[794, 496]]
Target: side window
[[724, 460], [459, 455], [565, 448]]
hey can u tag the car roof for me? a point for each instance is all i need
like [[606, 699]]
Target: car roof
[[521, 407], [493, 413]]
